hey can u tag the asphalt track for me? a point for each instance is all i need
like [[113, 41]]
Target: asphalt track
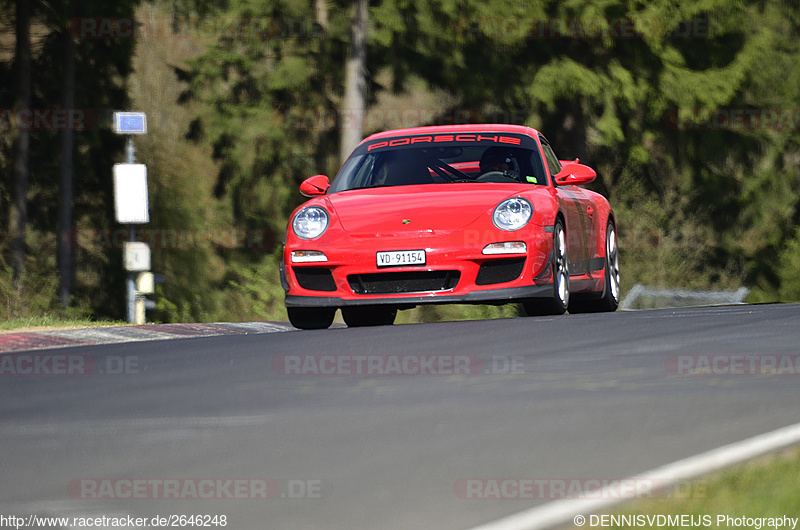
[[569, 399]]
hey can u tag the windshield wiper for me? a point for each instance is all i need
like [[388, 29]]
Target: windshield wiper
[[370, 187]]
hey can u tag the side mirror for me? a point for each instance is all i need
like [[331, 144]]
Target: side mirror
[[575, 174], [315, 186]]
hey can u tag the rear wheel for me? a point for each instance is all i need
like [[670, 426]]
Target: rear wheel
[[609, 298], [311, 317], [556, 305], [360, 316]]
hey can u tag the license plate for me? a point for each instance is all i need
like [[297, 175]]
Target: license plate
[[401, 257]]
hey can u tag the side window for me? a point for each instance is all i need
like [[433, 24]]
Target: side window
[[539, 175], [552, 161]]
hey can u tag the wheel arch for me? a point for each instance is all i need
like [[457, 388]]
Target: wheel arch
[[603, 216], [560, 215]]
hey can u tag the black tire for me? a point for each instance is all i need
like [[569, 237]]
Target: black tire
[[558, 303], [609, 298], [359, 316], [311, 317]]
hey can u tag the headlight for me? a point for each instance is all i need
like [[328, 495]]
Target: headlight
[[310, 222], [512, 214]]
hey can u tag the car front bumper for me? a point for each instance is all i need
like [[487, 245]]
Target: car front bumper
[[455, 271]]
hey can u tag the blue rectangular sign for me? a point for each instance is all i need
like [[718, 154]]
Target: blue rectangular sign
[[130, 123]]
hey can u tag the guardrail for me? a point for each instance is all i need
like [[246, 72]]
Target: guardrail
[[641, 297]]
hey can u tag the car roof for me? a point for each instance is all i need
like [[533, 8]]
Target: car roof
[[443, 129]]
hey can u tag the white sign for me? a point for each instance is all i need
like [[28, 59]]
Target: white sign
[[130, 193], [136, 256]]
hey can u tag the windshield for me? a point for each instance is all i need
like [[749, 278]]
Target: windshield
[[442, 159]]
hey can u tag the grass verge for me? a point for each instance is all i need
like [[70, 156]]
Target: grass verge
[[43, 322], [766, 487]]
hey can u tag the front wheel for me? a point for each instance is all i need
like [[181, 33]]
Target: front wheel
[[360, 316], [556, 305], [311, 317]]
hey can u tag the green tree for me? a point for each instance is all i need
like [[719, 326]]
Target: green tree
[[100, 68], [22, 102], [702, 205]]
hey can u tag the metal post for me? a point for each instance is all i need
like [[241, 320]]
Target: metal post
[[131, 178], [130, 151], [131, 283]]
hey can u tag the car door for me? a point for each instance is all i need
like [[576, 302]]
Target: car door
[[579, 214]]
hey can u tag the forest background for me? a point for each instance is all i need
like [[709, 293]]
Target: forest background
[[688, 110]]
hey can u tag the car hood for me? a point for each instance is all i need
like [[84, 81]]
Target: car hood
[[405, 209]]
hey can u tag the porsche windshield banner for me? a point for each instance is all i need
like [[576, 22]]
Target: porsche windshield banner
[[449, 140]]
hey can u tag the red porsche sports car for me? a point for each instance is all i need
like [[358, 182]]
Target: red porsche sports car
[[476, 214]]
